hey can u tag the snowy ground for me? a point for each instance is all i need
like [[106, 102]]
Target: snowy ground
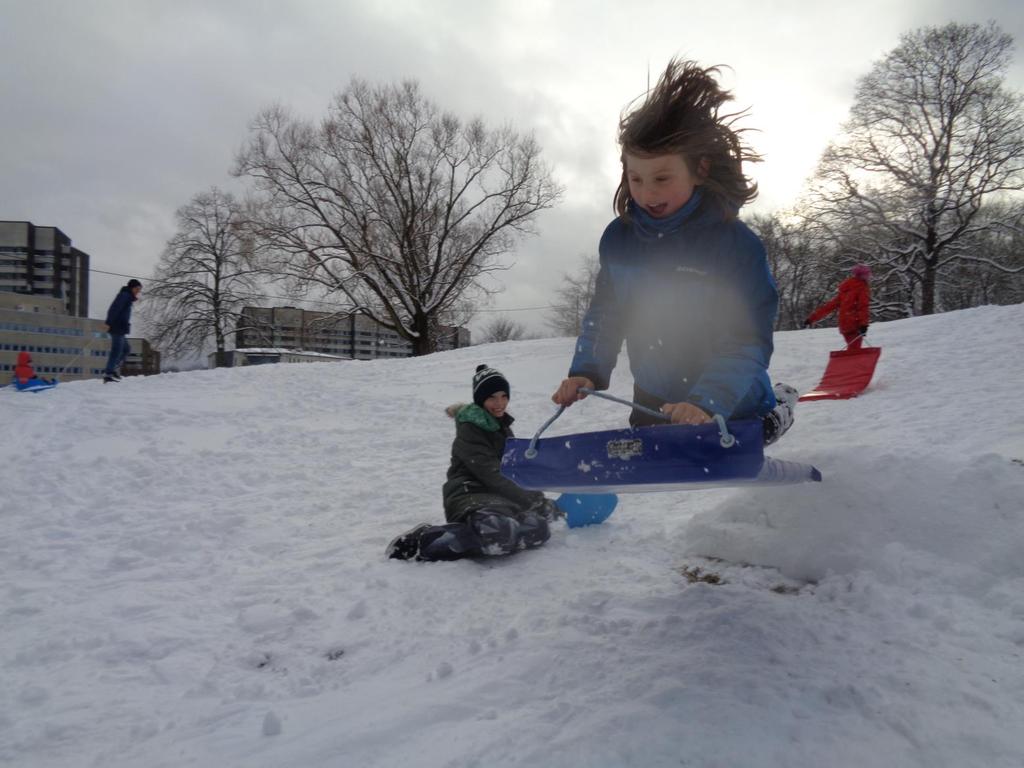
[[193, 574]]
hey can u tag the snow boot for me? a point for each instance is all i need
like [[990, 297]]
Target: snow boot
[[778, 421], [407, 546], [547, 509], [110, 379], [451, 541], [533, 530]]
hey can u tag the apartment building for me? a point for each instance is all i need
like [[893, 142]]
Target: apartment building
[[353, 336], [41, 261], [142, 359], [74, 347]]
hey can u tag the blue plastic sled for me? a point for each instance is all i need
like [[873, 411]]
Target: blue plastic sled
[[586, 508], [35, 385], [645, 459]]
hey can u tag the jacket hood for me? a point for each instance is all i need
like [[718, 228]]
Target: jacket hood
[[453, 409], [861, 271], [24, 358], [474, 414]]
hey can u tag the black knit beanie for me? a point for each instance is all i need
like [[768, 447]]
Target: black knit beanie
[[133, 283], [487, 381]]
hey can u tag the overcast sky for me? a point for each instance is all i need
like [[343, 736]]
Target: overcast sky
[[113, 114]]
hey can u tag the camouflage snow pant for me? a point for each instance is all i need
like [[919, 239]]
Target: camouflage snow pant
[[482, 524]]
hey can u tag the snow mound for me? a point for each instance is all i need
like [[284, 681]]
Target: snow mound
[[192, 573], [880, 514]]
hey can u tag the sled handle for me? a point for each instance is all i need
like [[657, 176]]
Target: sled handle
[[726, 438], [621, 401], [531, 451]]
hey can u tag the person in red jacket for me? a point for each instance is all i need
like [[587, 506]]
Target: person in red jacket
[[24, 373], [853, 300]]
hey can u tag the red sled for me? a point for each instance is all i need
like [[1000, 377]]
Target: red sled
[[847, 374]]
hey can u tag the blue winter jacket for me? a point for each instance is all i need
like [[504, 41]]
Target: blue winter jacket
[[119, 316], [696, 306]]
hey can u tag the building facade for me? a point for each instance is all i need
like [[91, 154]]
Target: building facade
[[73, 347], [453, 337], [142, 359], [354, 336], [40, 261]]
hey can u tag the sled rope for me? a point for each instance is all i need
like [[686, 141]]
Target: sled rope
[[726, 440], [854, 339], [75, 358]]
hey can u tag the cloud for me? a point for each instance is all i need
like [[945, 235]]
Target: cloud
[[116, 113]]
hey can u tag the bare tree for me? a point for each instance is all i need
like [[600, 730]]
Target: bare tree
[[971, 283], [932, 136], [393, 204], [573, 298], [799, 265], [206, 274], [502, 328]]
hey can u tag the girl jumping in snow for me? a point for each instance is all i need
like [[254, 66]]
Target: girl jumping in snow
[[681, 279], [487, 513]]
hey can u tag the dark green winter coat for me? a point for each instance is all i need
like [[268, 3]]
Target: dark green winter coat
[[474, 477]]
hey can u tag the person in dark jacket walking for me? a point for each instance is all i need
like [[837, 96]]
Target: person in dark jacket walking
[[119, 325], [487, 513], [853, 300], [681, 279]]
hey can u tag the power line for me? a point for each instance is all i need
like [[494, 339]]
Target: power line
[[332, 303]]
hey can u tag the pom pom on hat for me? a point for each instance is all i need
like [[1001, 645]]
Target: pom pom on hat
[[863, 271]]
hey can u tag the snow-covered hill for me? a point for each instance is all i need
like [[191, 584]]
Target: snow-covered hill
[[193, 574]]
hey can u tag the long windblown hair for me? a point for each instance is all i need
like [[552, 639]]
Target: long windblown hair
[[681, 115]]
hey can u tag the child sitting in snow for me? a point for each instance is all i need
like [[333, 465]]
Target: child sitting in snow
[[681, 279], [25, 375], [487, 513]]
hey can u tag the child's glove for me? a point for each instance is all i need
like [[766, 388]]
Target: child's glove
[[547, 509], [807, 323], [863, 330]]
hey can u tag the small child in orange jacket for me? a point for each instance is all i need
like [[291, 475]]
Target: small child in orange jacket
[[23, 371], [25, 374], [853, 301]]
